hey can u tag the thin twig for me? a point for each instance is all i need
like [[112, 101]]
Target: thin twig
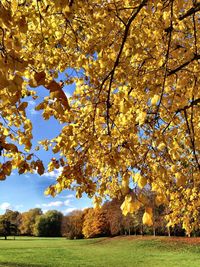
[[191, 11], [112, 73], [195, 57]]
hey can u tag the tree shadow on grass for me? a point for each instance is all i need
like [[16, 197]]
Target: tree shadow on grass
[[14, 264]]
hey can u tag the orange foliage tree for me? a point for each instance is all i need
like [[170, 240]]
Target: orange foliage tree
[[95, 223]]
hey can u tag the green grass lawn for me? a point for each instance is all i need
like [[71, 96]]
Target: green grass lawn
[[108, 252]]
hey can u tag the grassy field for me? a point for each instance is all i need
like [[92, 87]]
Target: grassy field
[[109, 252]]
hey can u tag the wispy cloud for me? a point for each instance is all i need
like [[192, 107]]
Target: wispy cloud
[[68, 95], [19, 206], [53, 204], [53, 174], [68, 210], [31, 103], [67, 202], [85, 208], [45, 211], [56, 204], [70, 196], [31, 107], [5, 205], [33, 111], [8, 206]]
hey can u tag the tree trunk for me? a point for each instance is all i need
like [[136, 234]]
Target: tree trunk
[[141, 230], [154, 231], [168, 230]]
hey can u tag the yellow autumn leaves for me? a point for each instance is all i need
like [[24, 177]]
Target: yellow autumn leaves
[[133, 120], [147, 217], [154, 100], [140, 180], [131, 204], [137, 178]]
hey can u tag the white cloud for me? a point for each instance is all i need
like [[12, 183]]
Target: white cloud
[[19, 206], [68, 210], [67, 202], [85, 208], [70, 196], [33, 111], [68, 95], [31, 107], [56, 204], [54, 174], [31, 102], [53, 204], [45, 211], [5, 205]]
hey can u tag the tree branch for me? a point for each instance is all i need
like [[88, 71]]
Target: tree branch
[[166, 58], [191, 11], [192, 103], [192, 140], [195, 57], [143, 3]]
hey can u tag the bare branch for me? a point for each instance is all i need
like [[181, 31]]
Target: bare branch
[[192, 140], [190, 12], [195, 57], [192, 103]]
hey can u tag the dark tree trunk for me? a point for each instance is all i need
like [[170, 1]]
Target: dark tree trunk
[[168, 230], [154, 231], [141, 230]]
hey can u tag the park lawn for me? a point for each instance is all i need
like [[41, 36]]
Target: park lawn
[[108, 252]]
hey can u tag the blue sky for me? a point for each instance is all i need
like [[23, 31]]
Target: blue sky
[[26, 191]]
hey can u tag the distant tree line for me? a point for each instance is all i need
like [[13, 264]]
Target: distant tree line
[[109, 221], [105, 221], [31, 223]]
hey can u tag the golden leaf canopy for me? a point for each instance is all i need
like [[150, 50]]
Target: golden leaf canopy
[[135, 110]]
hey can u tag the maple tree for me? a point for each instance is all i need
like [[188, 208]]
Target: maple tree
[[134, 115], [95, 223]]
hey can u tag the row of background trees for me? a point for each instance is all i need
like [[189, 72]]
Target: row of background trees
[[88, 223]]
